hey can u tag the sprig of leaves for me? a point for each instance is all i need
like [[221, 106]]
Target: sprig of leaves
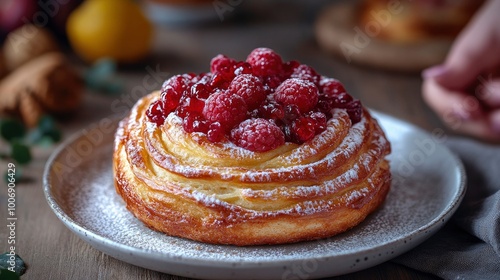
[[13, 262], [20, 139]]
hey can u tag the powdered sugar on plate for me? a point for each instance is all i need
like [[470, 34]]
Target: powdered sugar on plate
[[82, 195]]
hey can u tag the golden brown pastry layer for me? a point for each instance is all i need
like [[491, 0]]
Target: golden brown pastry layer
[[184, 185]]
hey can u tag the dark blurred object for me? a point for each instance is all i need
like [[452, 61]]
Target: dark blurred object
[[14, 13], [418, 20], [60, 15], [49, 14]]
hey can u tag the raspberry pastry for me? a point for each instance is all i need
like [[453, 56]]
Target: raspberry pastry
[[253, 152]]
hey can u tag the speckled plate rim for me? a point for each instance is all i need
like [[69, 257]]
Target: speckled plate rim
[[216, 269]]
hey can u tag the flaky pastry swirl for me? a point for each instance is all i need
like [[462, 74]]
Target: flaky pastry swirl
[[182, 184]]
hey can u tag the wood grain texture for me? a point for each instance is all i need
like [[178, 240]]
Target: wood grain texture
[[51, 251]]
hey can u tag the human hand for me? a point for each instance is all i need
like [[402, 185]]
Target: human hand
[[465, 90]]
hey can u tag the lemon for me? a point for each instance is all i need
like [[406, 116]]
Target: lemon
[[116, 29]]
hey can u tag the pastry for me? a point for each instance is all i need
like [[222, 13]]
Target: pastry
[[253, 152], [417, 21]]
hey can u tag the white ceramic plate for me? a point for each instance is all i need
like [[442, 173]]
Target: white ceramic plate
[[428, 185]]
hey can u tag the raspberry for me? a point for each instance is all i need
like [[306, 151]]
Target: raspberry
[[242, 68], [301, 93], [215, 132], [331, 87], [223, 67], [271, 110], [292, 112], [194, 123], [200, 90], [258, 135], [354, 110], [222, 63], [289, 67], [226, 108], [155, 112], [250, 88], [271, 83], [304, 129], [219, 81], [333, 95], [306, 72], [265, 62], [190, 105], [179, 83], [319, 122], [170, 98]]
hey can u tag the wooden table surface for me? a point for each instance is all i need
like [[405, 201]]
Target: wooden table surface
[[52, 251]]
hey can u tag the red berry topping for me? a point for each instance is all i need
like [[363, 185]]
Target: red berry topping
[[179, 83], [265, 62], [331, 87], [292, 112], [333, 95], [355, 110], [215, 132], [155, 112], [319, 121], [258, 104], [250, 88], [258, 135], [290, 66], [200, 90], [190, 105], [170, 98], [304, 129], [194, 123], [242, 68], [271, 83], [219, 81], [223, 69], [271, 110], [226, 108], [222, 64], [301, 93], [306, 72]]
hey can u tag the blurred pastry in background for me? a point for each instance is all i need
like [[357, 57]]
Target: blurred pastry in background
[[404, 36], [418, 20]]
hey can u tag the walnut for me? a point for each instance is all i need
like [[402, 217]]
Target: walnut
[[46, 84], [26, 43]]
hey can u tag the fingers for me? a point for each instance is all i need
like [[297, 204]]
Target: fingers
[[450, 104], [462, 112], [488, 91], [461, 90], [474, 51]]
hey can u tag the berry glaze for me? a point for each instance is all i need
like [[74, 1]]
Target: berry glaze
[[258, 104]]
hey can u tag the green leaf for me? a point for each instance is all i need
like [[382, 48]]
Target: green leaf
[[102, 77], [11, 129], [47, 128], [6, 274], [13, 261], [20, 152]]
